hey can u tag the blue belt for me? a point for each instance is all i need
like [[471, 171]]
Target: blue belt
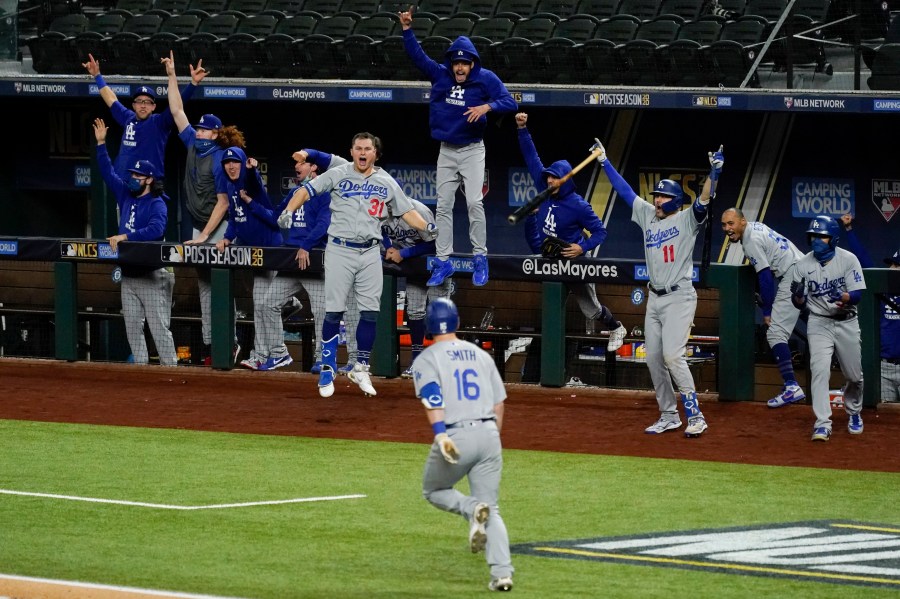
[[891, 360], [355, 244], [473, 422], [840, 316], [664, 290]]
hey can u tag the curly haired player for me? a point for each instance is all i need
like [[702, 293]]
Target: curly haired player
[[564, 217]]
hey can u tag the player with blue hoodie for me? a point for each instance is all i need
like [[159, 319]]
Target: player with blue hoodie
[[251, 222], [462, 93], [566, 215], [146, 291]]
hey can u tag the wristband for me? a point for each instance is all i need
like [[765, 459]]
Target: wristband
[[100, 82], [439, 427]]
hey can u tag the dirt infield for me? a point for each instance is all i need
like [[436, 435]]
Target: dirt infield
[[578, 420]]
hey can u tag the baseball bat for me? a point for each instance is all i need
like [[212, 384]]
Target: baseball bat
[[523, 211]]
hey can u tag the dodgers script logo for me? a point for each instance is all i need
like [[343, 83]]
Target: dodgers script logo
[[349, 189], [656, 239]]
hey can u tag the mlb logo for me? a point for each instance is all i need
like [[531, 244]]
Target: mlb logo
[[789, 102]]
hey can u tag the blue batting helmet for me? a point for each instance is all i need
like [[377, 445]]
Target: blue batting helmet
[[669, 188], [441, 317], [824, 226]]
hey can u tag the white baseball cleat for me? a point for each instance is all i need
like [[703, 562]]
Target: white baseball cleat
[[477, 534], [696, 426], [360, 376], [616, 338], [662, 425], [326, 381], [503, 584]]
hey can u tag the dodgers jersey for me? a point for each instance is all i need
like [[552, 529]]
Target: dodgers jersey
[[359, 203], [668, 244], [468, 378], [843, 272], [766, 248], [405, 238]]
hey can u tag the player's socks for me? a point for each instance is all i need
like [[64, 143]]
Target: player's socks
[[782, 354]]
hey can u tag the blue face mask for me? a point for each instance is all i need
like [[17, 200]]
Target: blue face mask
[[134, 186], [204, 145], [822, 249]]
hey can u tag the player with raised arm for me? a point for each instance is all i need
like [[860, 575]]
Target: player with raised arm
[[829, 282], [464, 396], [361, 196], [565, 217], [669, 235], [774, 257], [462, 93]]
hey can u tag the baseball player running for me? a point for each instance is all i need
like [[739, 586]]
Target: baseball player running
[[463, 395], [890, 318], [829, 282], [145, 133], [669, 236], [146, 292], [462, 93], [401, 242], [362, 195], [773, 256], [251, 222], [565, 216]]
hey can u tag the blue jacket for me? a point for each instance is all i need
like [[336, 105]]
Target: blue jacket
[[309, 224], [145, 139], [450, 101], [143, 218], [254, 223], [564, 214]]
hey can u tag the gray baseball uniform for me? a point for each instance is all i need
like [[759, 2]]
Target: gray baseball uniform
[[471, 386], [672, 301], [149, 297], [403, 236], [357, 265], [832, 330], [766, 248]]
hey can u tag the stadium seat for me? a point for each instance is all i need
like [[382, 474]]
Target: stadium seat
[[316, 56], [689, 10], [278, 46], [600, 59], [95, 40], [441, 8], [602, 9], [171, 7], [326, 8], [393, 63], [482, 8], [363, 7], [512, 59], [535, 29], [770, 10], [560, 8], [209, 7], [248, 7], [51, 49], [453, 27], [557, 60], [617, 29], [494, 28], [728, 60], [642, 9], [206, 43], [435, 46], [131, 49], [134, 7], [886, 68], [285, 7], [515, 9], [172, 35], [578, 28], [243, 49], [817, 10]]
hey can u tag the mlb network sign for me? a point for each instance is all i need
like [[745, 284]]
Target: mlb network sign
[[812, 197]]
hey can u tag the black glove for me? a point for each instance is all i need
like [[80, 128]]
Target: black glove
[[552, 247], [798, 289]]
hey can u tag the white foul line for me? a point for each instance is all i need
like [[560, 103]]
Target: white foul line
[[163, 506]]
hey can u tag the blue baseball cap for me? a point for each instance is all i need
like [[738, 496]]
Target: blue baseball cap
[[895, 259], [145, 91], [209, 121], [461, 56], [143, 167]]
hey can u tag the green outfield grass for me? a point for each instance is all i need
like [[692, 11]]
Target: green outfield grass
[[391, 543]]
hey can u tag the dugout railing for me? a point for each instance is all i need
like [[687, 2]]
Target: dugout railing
[[735, 360]]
